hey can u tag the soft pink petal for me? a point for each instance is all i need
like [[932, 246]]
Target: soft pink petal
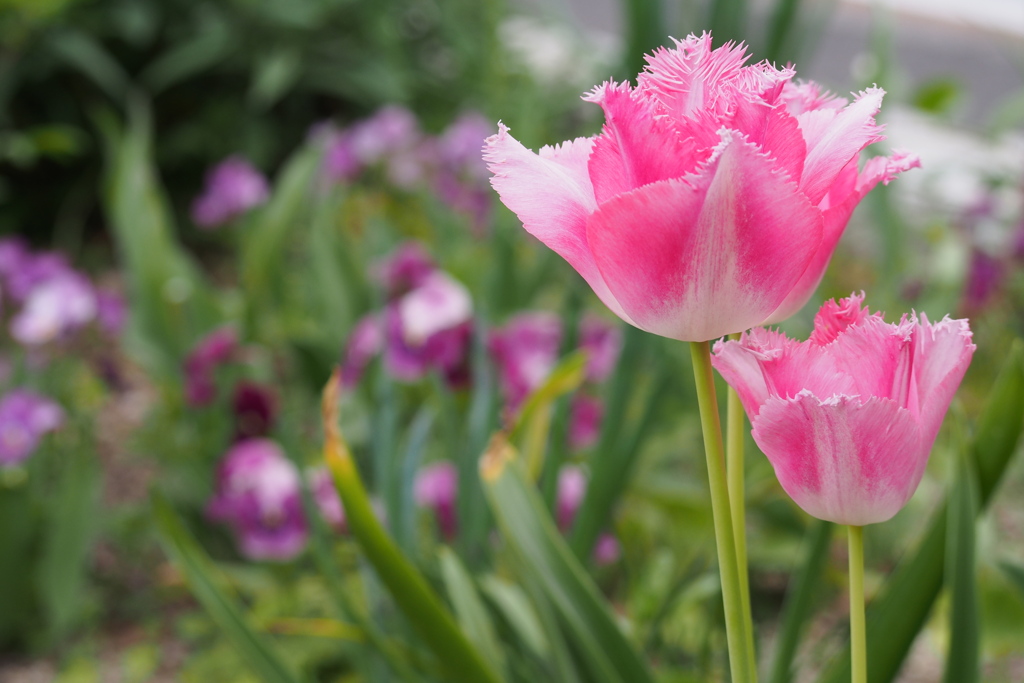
[[740, 368], [834, 138], [942, 352], [775, 132], [635, 148], [691, 76], [835, 317], [803, 96], [552, 195], [789, 366], [715, 253], [841, 459]]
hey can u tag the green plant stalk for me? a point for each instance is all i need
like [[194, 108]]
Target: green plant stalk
[[858, 632], [741, 665], [406, 585], [735, 425]]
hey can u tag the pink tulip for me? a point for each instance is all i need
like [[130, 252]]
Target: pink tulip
[[712, 200], [437, 487], [848, 417]]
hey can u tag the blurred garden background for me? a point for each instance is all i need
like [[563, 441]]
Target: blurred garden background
[[207, 205]]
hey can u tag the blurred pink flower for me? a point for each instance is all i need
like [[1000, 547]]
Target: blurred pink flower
[[213, 350], [365, 342], [437, 487], [255, 409], [327, 499], [585, 415], [232, 187], [712, 200], [525, 350], [111, 311], [54, 308], [572, 486], [24, 417], [258, 495], [603, 343], [848, 417], [404, 269], [607, 550]]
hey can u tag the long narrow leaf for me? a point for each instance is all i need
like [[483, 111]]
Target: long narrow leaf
[[528, 527], [962, 661], [193, 562], [469, 608]]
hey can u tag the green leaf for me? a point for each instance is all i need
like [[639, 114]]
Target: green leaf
[[962, 660], [184, 60], [515, 607], [799, 601], [203, 578], [18, 528], [469, 608], [531, 532], [83, 53], [274, 75], [71, 528], [899, 613]]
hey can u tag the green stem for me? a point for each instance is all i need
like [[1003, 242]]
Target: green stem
[[735, 426], [740, 663], [858, 632]]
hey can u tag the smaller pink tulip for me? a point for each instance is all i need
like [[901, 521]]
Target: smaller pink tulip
[[849, 417]]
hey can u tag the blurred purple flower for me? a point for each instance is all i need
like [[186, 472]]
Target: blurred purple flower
[[232, 187], [211, 351], [55, 307], [429, 327], [984, 276], [602, 341], [585, 415], [525, 350], [607, 550], [111, 311], [254, 407], [461, 176], [572, 488], [365, 342], [26, 271], [258, 495], [24, 417], [391, 129], [341, 163], [404, 269], [327, 499], [436, 487]]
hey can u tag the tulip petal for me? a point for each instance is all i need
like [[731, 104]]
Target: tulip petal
[[710, 254], [775, 132], [552, 195], [942, 352], [834, 138], [838, 206], [635, 148], [841, 459]]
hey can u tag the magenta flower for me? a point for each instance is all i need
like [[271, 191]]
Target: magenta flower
[[364, 343], [603, 343], [437, 488], [55, 308], [255, 408], [327, 499], [430, 327], [572, 487], [25, 417], [232, 187], [712, 200], [258, 495], [525, 350], [406, 268], [202, 362], [111, 311], [848, 417], [585, 415]]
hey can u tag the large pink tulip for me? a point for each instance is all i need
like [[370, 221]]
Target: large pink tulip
[[714, 196], [848, 417]]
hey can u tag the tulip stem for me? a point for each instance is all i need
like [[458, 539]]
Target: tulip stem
[[741, 663], [735, 424], [858, 632]]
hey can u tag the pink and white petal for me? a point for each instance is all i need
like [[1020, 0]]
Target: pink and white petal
[[708, 255], [774, 131], [942, 352], [690, 76], [552, 195], [834, 138], [740, 369], [890, 348], [635, 148], [804, 96], [840, 459]]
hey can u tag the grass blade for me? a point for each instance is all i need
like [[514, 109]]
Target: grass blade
[[963, 658]]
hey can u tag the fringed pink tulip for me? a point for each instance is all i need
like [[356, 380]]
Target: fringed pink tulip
[[848, 417], [714, 196]]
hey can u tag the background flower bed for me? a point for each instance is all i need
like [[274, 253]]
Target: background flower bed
[[117, 112]]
